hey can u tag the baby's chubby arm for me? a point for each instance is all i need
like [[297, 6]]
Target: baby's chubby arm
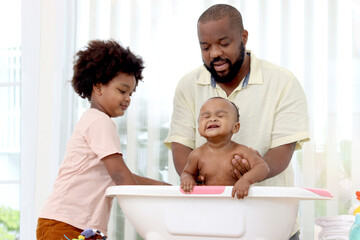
[[189, 173], [259, 171]]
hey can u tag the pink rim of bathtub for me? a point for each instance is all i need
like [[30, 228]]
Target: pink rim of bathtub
[[320, 192], [206, 190]]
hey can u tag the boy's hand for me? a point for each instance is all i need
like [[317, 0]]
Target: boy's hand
[[241, 188], [187, 183]]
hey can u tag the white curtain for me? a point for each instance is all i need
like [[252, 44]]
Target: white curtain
[[317, 40]]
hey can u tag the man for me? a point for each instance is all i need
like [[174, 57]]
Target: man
[[271, 101]]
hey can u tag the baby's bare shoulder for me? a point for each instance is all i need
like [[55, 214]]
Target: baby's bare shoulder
[[242, 149], [197, 152]]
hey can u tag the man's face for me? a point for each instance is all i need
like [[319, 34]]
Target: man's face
[[222, 49]]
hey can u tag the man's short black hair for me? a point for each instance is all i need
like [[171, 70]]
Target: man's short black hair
[[219, 11]]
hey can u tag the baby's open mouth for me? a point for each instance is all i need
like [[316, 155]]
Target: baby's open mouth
[[213, 126]]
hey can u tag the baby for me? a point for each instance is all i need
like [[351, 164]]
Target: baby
[[218, 121]]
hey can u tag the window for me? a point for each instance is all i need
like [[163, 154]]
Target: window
[[10, 81], [317, 40]]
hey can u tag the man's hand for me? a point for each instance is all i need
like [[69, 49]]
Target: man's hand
[[200, 180], [241, 166]]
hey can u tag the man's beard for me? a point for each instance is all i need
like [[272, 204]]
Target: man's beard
[[233, 68]]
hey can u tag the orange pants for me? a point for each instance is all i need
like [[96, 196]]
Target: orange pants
[[48, 229]]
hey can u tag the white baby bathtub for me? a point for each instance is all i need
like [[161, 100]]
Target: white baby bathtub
[[209, 212]]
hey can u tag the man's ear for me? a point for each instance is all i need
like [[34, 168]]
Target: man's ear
[[236, 127], [97, 88], [244, 36]]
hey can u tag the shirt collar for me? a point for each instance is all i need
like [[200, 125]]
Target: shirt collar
[[244, 84]]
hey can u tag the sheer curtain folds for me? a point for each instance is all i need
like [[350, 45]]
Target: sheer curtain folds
[[317, 40], [313, 39]]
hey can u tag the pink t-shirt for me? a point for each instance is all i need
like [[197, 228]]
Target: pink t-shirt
[[78, 196]]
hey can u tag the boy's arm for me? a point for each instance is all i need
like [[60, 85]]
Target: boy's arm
[[118, 171], [148, 181], [121, 175]]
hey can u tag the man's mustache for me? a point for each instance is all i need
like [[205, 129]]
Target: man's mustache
[[218, 59]]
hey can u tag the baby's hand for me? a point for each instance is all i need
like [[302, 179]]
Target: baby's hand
[[241, 188], [187, 183]]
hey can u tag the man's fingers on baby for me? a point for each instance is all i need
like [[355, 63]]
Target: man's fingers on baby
[[241, 166], [237, 173], [200, 180], [236, 162], [245, 164]]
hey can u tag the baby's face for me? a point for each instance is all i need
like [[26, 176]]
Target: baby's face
[[217, 118]]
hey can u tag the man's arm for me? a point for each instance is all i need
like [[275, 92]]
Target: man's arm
[[278, 158], [180, 155]]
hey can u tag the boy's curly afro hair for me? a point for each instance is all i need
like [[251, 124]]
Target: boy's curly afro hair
[[100, 62]]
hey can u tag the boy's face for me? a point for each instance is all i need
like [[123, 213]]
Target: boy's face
[[115, 97], [218, 118]]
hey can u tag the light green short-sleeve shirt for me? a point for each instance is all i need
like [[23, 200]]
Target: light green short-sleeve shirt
[[273, 111]]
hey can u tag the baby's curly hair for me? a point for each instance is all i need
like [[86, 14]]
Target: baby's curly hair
[[100, 62]]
